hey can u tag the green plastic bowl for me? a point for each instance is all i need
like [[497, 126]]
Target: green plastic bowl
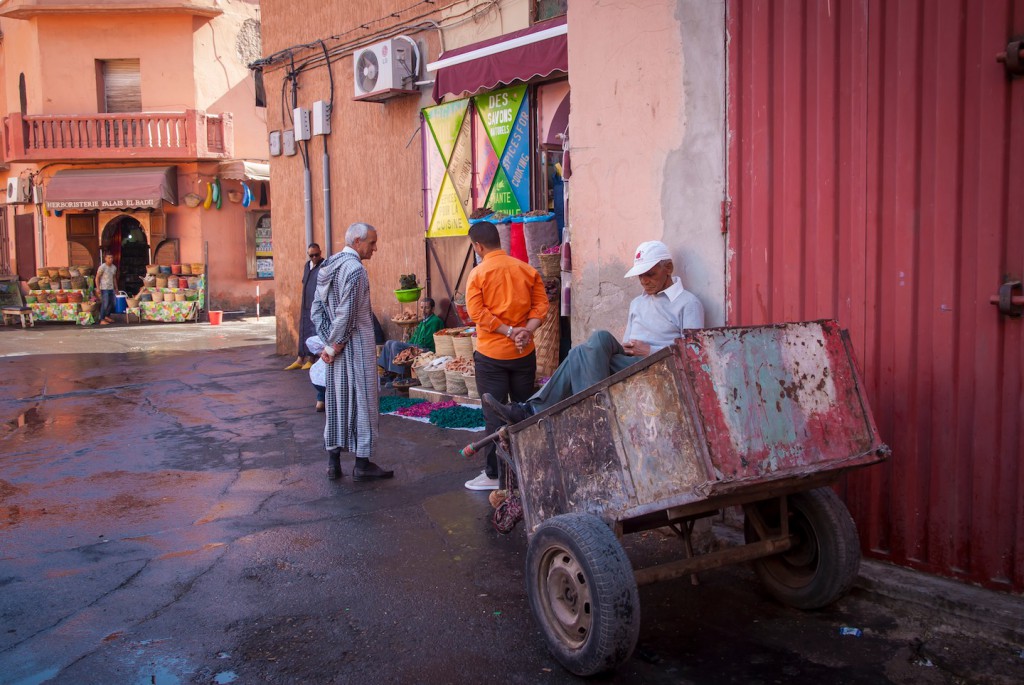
[[408, 295]]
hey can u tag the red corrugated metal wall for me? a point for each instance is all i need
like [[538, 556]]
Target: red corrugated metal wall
[[876, 156]]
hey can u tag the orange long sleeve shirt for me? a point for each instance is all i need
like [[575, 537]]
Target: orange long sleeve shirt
[[503, 291]]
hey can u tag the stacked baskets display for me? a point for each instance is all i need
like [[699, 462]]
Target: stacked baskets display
[[443, 344], [438, 379], [463, 345], [455, 375], [456, 384], [423, 376], [469, 378]]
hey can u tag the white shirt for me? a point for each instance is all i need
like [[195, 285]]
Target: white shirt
[[661, 318]]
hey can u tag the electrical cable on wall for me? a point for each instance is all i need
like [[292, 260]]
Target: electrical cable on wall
[[411, 25], [326, 56], [329, 108], [307, 181]]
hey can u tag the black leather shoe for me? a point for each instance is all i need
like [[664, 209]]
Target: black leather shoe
[[334, 466], [509, 413], [371, 472]]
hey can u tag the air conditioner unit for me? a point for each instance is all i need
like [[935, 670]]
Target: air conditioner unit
[[18, 190], [386, 70]]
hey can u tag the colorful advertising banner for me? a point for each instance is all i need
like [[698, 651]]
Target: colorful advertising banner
[[504, 116], [449, 169], [497, 158]]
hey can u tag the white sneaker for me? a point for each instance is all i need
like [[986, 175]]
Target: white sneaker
[[482, 482]]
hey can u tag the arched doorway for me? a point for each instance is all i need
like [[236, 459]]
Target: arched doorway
[[125, 239]]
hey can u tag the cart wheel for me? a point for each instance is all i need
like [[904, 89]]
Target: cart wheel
[[583, 593], [823, 563]]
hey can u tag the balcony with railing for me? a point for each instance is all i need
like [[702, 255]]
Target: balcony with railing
[[172, 136]]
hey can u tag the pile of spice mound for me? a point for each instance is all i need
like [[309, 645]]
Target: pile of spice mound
[[423, 410], [460, 364], [406, 356], [457, 417], [386, 405]]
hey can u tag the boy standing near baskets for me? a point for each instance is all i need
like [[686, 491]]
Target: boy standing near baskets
[[106, 282], [506, 300]]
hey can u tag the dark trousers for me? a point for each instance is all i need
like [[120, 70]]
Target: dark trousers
[[106, 303], [508, 380], [321, 392]]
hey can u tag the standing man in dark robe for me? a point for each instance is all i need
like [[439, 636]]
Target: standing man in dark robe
[[304, 359], [343, 320]]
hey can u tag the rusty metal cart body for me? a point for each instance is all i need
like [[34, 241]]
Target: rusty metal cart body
[[761, 417]]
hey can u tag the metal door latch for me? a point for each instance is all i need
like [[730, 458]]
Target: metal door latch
[[1013, 58], [1009, 304]]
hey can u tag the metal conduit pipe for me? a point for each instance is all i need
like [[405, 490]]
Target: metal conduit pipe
[[327, 202], [307, 184]]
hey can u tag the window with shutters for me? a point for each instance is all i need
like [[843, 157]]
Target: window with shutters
[[119, 85], [548, 9], [83, 239]]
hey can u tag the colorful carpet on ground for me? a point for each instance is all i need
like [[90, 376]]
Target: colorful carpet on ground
[[442, 414]]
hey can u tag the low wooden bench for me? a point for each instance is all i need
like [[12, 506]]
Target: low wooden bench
[[14, 314]]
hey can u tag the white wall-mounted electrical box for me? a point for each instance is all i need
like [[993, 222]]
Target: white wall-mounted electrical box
[[321, 118], [288, 143], [303, 131], [275, 143]]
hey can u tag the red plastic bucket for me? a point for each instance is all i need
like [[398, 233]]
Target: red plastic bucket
[[215, 317]]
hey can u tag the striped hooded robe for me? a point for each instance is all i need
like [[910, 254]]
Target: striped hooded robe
[[342, 317]]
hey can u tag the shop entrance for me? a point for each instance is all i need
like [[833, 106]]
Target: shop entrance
[[125, 239]]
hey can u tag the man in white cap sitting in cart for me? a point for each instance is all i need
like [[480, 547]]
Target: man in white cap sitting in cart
[[656, 318]]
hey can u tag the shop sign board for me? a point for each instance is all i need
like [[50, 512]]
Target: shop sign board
[[104, 204], [449, 168], [497, 156], [504, 116]]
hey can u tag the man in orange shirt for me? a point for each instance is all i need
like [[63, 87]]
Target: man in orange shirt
[[506, 300]]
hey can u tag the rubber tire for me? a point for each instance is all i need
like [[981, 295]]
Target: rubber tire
[[823, 564], [579, 554]]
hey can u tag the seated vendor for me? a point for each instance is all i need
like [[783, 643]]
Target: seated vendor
[[656, 318], [422, 337]]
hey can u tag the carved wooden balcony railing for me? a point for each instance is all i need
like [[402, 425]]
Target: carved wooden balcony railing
[[181, 136]]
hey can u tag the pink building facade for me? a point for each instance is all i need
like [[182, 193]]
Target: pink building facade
[[117, 117]]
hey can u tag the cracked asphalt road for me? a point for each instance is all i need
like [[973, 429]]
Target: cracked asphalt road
[[165, 518]]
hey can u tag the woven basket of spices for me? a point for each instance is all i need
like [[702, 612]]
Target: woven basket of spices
[[456, 384], [550, 265], [443, 345], [437, 379], [463, 346], [423, 376], [471, 389]]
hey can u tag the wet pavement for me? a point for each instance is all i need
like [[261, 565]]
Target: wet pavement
[[66, 338], [165, 518]]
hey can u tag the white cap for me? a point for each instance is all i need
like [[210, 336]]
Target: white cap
[[647, 257]]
